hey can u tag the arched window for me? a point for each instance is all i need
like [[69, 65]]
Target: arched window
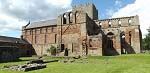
[[100, 24], [119, 22], [70, 17], [64, 19], [129, 21], [110, 40], [130, 37], [109, 23]]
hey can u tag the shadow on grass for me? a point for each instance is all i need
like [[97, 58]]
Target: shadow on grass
[[16, 60], [51, 61]]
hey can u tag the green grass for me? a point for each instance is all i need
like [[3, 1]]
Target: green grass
[[134, 63]]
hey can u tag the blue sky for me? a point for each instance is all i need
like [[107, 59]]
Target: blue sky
[[104, 6], [16, 13]]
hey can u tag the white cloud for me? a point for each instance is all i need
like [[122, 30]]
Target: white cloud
[[61, 3], [16, 13], [139, 7]]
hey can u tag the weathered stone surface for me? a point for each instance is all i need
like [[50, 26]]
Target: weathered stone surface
[[32, 65], [74, 60], [28, 67]]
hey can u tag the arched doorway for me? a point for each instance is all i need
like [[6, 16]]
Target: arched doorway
[[109, 49]]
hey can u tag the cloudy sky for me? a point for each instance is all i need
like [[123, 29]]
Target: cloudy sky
[[16, 13]]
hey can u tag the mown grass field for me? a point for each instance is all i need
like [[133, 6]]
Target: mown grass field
[[137, 63]]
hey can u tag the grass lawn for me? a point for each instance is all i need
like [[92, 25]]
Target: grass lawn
[[137, 63]]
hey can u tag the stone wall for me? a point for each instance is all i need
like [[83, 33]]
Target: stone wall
[[129, 26]]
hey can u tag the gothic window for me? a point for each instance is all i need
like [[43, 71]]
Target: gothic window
[[100, 24], [109, 23], [123, 37], [110, 40], [64, 19], [129, 21], [70, 17], [119, 23], [130, 37]]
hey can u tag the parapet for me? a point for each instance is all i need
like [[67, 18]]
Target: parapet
[[132, 20]]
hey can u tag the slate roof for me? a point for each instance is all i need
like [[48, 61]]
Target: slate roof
[[12, 40], [42, 23]]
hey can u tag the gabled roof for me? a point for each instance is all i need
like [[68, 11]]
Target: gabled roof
[[12, 40], [42, 23]]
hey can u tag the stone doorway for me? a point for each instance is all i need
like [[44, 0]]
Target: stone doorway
[[109, 49], [66, 52], [62, 47]]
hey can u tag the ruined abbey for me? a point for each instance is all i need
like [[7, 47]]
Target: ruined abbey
[[80, 32]]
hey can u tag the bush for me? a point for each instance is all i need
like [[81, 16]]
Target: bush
[[52, 50]]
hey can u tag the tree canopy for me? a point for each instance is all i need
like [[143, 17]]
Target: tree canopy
[[146, 41]]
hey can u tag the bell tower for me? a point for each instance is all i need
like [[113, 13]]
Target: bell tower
[[88, 8]]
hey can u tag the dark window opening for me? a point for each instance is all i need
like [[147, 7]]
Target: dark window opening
[[109, 24], [130, 37], [64, 19], [110, 43], [66, 52], [45, 38], [55, 38], [62, 47], [100, 25]]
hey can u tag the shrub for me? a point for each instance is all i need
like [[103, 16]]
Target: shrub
[[52, 50]]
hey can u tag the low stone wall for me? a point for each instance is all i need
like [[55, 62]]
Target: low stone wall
[[29, 66]]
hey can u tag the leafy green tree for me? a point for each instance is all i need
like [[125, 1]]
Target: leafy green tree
[[52, 50], [146, 41]]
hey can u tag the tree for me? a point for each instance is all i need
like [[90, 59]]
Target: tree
[[146, 41], [52, 50]]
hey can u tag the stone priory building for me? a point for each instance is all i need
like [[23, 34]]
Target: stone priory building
[[80, 32]]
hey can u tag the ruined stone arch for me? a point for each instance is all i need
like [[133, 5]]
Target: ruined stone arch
[[109, 48], [110, 33]]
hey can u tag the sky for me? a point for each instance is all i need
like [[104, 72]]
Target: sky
[[17, 13]]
